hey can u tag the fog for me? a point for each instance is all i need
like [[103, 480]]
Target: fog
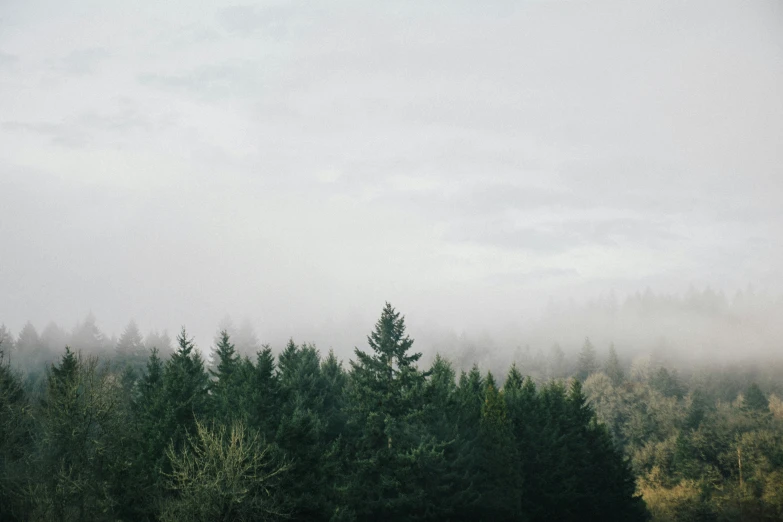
[[506, 174]]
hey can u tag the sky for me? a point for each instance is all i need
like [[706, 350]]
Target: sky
[[299, 164]]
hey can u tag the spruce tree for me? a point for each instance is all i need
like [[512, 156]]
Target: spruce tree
[[613, 368], [588, 364], [130, 348], [160, 341], [226, 358], [391, 465], [500, 481], [153, 416], [6, 345], [185, 387], [755, 400], [16, 437]]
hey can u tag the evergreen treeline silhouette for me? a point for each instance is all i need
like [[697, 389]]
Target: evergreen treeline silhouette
[[152, 436]]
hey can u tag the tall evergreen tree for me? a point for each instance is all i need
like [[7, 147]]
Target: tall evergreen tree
[[588, 363], [30, 354], [16, 436], [185, 387], [392, 463], [500, 482], [246, 340], [755, 400], [160, 341], [6, 345], [153, 418], [264, 393], [88, 338], [613, 368], [226, 358], [130, 349], [81, 443]]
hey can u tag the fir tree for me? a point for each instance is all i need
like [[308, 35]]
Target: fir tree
[[755, 400], [613, 368], [392, 464], [588, 364], [500, 483], [130, 348], [185, 387], [226, 357]]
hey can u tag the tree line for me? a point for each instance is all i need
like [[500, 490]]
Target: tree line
[[146, 435]]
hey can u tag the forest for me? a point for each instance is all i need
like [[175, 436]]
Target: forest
[[135, 429]]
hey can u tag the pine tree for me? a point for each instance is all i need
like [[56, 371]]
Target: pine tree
[[500, 483], [489, 382], [61, 377], [392, 465], [263, 392], [388, 375], [30, 354], [613, 368], [16, 437], [153, 417], [226, 357], [6, 345], [335, 380], [88, 338], [130, 348], [755, 400], [83, 435], [185, 387], [556, 362], [159, 341], [588, 364], [246, 340]]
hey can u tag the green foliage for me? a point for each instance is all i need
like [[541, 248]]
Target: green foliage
[[80, 443], [755, 400], [185, 389], [226, 387], [297, 437], [392, 462], [588, 361], [16, 431], [130, 348], [613, 369]]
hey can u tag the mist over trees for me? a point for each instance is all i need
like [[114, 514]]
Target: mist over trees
[[137, 429]]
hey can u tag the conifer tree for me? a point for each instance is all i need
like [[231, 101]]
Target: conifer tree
[[88, 338], [185, 387], [82, 440], [500, 482], [755, 400], [245, 340], [29, 352], [130, 348], [613, 368], [264, 393], [6, 345], [16, 436], [160, 341], [588, 364], [143, 487], [226, 358], [391, 465]]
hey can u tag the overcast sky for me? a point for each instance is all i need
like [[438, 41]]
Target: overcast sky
[[300, 163]]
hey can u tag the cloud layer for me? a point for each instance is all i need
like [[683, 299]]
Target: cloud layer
[[302, 162]]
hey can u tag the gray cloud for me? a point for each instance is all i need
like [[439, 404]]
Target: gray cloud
[[561, 236], [58, 133], [8, 60], [81, 61], [177, 162]]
